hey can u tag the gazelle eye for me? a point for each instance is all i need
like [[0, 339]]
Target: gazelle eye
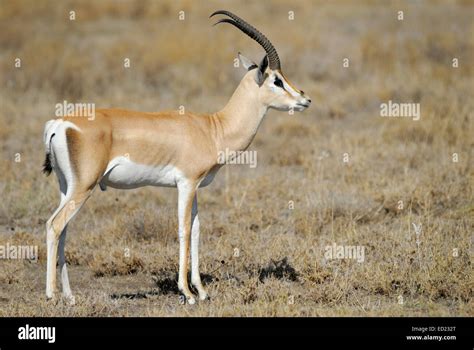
[[278, 82]]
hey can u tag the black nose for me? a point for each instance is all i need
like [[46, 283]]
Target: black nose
[[309, 100]]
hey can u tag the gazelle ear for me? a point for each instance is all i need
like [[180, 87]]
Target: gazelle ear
[[247, 63], [262, 67]]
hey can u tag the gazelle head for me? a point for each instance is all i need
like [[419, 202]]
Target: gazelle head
[[275, 90]]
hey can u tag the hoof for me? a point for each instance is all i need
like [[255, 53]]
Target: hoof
[[184, 299], [70, 300], [50, 296], [204, 297], [52, 299]]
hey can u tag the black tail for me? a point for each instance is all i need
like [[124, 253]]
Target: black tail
[[47, 167]]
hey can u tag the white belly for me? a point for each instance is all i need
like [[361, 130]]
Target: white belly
[[125, 174]]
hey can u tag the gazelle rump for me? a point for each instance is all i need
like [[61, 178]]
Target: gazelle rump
[[127, 149]]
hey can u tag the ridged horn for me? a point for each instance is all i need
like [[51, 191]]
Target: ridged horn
[[273, 59]]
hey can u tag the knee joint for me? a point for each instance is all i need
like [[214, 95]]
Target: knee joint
[[54, 230]]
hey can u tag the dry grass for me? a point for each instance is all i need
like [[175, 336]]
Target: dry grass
[[281, 250]]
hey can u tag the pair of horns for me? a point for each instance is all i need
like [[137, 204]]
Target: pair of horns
[[273, 59]]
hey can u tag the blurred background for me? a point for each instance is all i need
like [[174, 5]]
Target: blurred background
[[189, 62]]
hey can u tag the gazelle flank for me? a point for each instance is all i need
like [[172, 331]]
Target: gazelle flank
[[128, 149]]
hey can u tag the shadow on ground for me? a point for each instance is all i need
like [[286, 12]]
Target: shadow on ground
[[166, 282]]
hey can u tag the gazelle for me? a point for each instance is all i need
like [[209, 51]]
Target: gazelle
[[127, 149]]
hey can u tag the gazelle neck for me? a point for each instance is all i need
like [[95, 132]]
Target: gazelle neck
[[242, 116]]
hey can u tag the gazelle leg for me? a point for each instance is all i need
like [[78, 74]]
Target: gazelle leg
[[51, 248], [63, 269], [55, 227], [62, 241], [195, 276], [186, 191]]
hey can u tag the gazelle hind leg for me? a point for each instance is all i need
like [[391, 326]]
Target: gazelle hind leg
[[68, 149], [50, 248], [63, 269], [62, 241], [195, 276], [57, 226]]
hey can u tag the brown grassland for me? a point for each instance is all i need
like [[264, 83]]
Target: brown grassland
[[280, 269]]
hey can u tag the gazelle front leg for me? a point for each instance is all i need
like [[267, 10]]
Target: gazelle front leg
[[195, 276], [186, 192]]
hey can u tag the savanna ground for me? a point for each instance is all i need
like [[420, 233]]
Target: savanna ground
[[399, 172]]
